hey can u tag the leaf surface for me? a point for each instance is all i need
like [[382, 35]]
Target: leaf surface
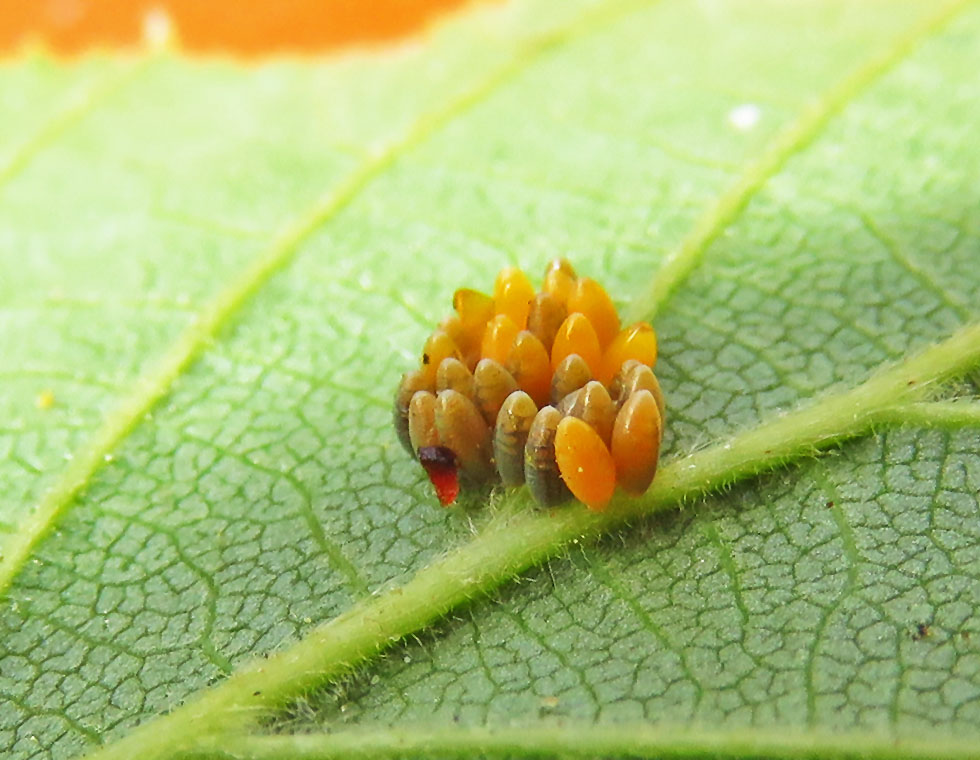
[[212, 276]]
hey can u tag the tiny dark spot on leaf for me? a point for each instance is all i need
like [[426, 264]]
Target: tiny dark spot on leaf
[[425, 359], [911, 382], [922, 631], [830, 505], [965, 635]]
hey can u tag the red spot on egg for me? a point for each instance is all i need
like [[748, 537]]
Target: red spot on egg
[[440, 465]]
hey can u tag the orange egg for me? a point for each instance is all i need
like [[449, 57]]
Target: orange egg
[[498, 338], [545, 318], [577, 336], [590, 298], [540, 467], [636, 442], [510, 437], [512, 295], [466, 327], [474, 308], [637, 342], [463, 431], [493, 384], [468, 342], [585, 463], [559, 280], [422, 420], [411, 382], [571, 375], [529, 364], [477, 410], [593, 405], [439, 346]]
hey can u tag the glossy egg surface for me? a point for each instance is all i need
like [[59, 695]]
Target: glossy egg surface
[[543, 388]]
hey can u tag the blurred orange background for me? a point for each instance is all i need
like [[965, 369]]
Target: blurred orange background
[[208, 26]]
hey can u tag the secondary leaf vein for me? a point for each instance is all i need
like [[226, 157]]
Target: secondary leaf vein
[[787, 143], [155, 384]]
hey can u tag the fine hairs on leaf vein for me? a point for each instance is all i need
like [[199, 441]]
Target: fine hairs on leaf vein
[[512, 535], [521, 537]]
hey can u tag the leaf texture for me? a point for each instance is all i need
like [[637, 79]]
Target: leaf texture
[[211, 276]]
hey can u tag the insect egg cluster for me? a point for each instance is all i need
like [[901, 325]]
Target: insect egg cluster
[[544, 388]]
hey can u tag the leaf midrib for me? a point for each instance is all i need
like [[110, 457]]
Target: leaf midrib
[[156, 384], [572, 739], [229, 302], [519, 537]]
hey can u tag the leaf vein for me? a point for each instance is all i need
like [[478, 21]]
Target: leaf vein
[[520, 537], [902, 258], [330, 549], [601, 572], [788, 142], [216, 315], [572, 739], [853, 557], [77, 107]]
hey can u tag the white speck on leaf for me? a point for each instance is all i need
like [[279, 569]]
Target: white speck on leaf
[[745, 116]]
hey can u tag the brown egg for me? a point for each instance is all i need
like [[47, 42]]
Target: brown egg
[[476, 411], [572, 374], [568, 402], [493, 384], [463, 431], [593, 405], [559, 280], [636, 377], [510, 437], [540, 468], [545, 317], [422, 430], [619, 380], [411, 382], [453, 375]]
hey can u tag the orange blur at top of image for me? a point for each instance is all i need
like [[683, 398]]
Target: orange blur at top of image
[[215, 26]]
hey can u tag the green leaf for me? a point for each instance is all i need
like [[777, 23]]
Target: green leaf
[[213, 274]]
